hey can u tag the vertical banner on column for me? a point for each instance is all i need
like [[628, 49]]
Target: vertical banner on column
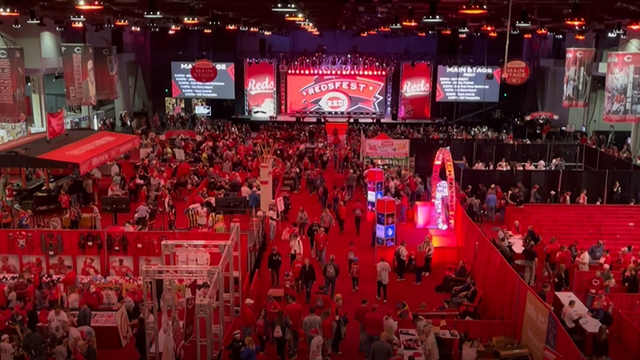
[[55, 124], [260, 89], [13, 101], [621, 98], [79, 77], [415, 91], [534, 326], [106, 73], [578, 67], [190, 312]]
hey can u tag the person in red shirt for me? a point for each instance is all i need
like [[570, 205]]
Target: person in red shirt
[[296, 269], [361, 312], [351, 253], [605, 302], [293, 311], [626, 259], [247, 317], [419, 264], [341, 215], [65, 200], [320, 245], [594, 286], [327, 331], [373, 324], [564, 257], [606, 259], [358, 210], [272, 307]]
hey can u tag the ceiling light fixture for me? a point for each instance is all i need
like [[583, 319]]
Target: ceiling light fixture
[[243, 28], [266, 33], [5, 11], [612, 34], [16, 24], [287, 7], [634, 25], [487, 27], [433, 16], [254, 30], [579, 36], [492, 34], [463, 30], [171, 32], [524, 19], [122, 22], [175, 27], [542, 31], [207, 31], [422, 33], [514, 30], [472, 9], [396, 26], [364, 34], [385, 29], [152, 15], [109, 23], [89, 5], [409, 23], [446, 31], [155, 29], [135, 28], [575, 19], [231, 27], [32, 17], [59, 28], [316, 32], [462, 36], [306, 24], [189, 20], [78, 17], [372, 32], [527, 36], [295, 17], [77, 24]]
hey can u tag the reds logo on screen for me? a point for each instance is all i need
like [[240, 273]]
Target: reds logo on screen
[[415, 87], [334, 93]]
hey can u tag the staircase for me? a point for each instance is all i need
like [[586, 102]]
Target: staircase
[[342, 128]]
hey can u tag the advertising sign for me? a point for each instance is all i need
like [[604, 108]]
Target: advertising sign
[[190, 312], [336, 93], [517, 72], [79, 76], [578, 66], [183, 85], [13, 100], [621, 99], [468, 84], [415, 91], [391, 148], [106, 73], [260, 89], [534, 326]]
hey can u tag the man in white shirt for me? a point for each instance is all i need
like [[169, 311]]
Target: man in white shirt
[[583, 260], [430, 345], [56, 318], [315, 349], [401, 259], [245, 191], [6, 349], [11, 296], [383, 269], [570, 317], [273, 223]]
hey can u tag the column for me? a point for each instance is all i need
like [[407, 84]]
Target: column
[[266, 185]]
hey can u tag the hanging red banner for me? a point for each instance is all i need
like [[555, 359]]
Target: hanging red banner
[[620, 103], [260, 89], [106, 73], [578, 67], [415, 91], [79, 77], [13, 100], [55, 124]]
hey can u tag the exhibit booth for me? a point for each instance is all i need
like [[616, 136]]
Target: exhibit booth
[[385, 152]]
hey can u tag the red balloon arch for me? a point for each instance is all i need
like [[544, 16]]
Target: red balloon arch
[[444, 196]]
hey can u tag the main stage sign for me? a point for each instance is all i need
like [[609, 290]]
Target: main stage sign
[[336, 93]]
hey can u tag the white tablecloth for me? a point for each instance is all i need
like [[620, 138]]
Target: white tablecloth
[[410, 334], [516, 243], [588, 323]]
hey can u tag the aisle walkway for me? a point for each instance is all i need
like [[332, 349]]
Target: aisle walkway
[[338, 244]]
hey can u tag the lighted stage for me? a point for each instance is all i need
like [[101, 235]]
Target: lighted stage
[[385, 120]]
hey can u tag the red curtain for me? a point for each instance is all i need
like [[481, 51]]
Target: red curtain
[[627, 331], [625, 302]]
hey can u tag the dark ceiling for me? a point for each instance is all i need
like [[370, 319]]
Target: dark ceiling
[[347, 14]]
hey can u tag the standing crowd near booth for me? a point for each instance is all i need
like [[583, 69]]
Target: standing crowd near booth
[[198, 182]]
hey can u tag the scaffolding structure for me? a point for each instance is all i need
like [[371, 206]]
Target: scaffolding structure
[[226, 300]]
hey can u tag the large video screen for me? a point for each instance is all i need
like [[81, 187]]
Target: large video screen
[[468, 84], [184, 86], [336, 93]]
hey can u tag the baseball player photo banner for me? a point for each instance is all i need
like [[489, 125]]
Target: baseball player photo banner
[[621, 102], [106, 73], [260, 89], [79, 77], [13, 100], [578, 67], [415, 91]]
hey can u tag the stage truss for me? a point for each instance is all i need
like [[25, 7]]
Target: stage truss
[[226, 300], [443, 192]]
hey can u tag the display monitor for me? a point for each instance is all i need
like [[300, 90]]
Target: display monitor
[[468, 84], [183, 85], [336, 94]]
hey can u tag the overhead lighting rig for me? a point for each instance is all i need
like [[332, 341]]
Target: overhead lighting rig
[[634, 26], [78, 18], [89, 5], [295, 17], [574, 18], [77, 25], [6, 11], [190, 20], [284, 7], [524, 19], [433, 16], [122, 22], [473, 9]]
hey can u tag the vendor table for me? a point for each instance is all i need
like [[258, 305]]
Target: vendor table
[[410, 344], [588, 325], [104, 325]]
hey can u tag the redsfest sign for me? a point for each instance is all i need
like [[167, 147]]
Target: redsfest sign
[[415, 91], [260, 89], [391, 148]]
